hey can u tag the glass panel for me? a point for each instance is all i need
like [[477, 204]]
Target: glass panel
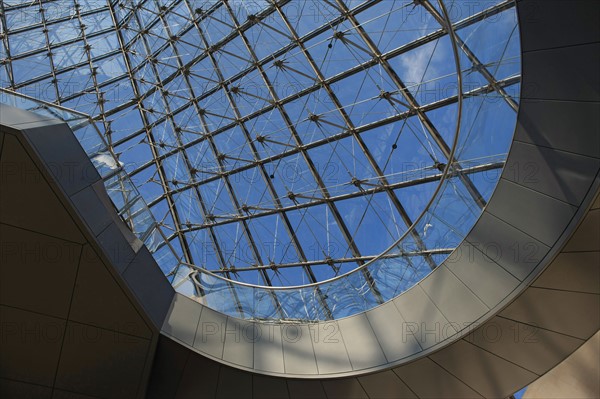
[[298, 161]]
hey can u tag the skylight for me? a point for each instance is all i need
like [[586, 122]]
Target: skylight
[[286, 143]]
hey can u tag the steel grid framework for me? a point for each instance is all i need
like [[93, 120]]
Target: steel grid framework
[[206, 100]]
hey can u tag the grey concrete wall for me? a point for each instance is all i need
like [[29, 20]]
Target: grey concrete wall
[[481, 325], [75, 320]]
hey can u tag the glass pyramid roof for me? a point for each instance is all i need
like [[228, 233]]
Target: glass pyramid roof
[[286, 143]]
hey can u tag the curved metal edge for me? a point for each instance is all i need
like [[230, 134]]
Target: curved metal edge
[[545, 324], [543, 195]]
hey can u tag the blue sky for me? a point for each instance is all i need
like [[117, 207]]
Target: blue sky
[[227, 179]]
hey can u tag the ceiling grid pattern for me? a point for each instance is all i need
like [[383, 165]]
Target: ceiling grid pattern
[[279, 143]]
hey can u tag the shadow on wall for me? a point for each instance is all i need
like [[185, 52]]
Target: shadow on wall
[[577, 377]]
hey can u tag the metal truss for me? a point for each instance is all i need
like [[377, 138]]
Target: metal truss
[[195, 95]]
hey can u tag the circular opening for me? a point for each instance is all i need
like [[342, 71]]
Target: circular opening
[[302, 144]]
